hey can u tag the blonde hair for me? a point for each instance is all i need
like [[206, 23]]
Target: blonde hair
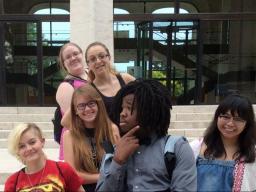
[[61, 59], [103, 131], [16, 134]]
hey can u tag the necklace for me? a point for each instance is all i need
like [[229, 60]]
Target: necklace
[[31, 185]]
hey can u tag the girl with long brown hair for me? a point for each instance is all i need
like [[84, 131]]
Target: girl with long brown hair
[[90, 127]]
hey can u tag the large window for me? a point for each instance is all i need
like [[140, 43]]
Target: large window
[[53, 33], [184, 33], [123, 29]]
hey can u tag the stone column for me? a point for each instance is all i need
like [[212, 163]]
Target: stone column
[[92, 20]]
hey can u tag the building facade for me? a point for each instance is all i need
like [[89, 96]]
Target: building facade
[[201, 50]]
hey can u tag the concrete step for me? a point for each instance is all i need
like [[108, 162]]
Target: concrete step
[[11, 124], [49, 143], [27, 110], [192, 117], [194, 108], [26, 117], [4, 133], [189, 124], [189, 133]]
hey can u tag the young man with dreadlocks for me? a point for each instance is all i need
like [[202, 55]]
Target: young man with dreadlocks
[[138, 164]]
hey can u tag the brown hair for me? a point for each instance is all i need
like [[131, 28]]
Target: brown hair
[[103, 131], [91, 75]]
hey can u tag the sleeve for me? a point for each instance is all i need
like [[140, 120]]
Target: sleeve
[[196, 146], [112, 175], [184, 175], [10, 182], [72, 180]]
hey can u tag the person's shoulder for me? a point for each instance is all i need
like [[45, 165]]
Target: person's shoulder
[[181, 145], [64, 85], [127, 77], [12, 178], [180, 140], [63, 165]]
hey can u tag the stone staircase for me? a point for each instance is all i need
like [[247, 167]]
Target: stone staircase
[[189, 121]]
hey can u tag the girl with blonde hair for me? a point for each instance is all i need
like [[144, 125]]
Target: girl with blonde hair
[[26, 143]]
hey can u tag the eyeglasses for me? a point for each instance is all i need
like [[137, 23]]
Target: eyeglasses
[[93, 59], [74, 54], [236, 120], [82, 106]]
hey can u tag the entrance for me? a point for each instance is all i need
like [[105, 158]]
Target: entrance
[[29, 73], [169, 52]]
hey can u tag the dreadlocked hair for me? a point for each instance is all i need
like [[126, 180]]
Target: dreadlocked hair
[[152, 101]]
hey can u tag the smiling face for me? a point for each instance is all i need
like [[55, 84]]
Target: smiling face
[[87, 110], [73, 60], [128, 118], [230, 126], [98, 59], [30, 146]]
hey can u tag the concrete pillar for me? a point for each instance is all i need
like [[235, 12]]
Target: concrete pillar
[[92, 20]]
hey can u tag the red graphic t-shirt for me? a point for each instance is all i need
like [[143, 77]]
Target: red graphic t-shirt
[[51, 179]]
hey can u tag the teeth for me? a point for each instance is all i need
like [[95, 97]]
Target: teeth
[[99, 66], [230, 130]]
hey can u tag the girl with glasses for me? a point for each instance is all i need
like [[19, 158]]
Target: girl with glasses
[[72, 63], [90, 127], [226, 154], [26, 143], [103, 77]]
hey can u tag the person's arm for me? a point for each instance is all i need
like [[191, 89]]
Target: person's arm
[[66, 119], [184, 176], [112, 175], [113, 167], [127, 77], [63, 95], [88, 178], [71, 179], [116, 133], [9, 184]]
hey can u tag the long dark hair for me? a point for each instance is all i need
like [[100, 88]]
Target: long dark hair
[[153, 103], [243, 107]]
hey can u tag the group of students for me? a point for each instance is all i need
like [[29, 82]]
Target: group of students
[[117, 131]]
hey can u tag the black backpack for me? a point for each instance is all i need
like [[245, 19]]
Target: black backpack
[[57, 127]]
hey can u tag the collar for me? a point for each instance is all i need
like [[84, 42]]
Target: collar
[[145, 141]]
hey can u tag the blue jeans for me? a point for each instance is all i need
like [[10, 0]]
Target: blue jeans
[[214, 175]]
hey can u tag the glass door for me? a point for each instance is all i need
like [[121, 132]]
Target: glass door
[[168, 52]]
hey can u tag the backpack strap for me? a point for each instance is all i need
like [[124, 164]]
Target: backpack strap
[[70, 81], [169, 154]]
